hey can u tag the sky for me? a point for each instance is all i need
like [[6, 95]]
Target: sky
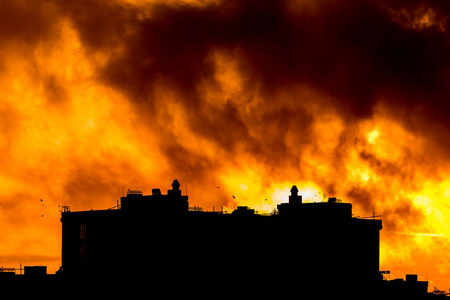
[[344, 98]]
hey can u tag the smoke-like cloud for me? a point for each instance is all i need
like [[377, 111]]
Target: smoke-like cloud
[[355, 52]]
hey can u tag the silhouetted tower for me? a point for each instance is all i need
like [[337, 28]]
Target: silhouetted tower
[[294, 198], [294, 207], [175, 192]]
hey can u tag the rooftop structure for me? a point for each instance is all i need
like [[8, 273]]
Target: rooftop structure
[[318, 242], [157, 243]]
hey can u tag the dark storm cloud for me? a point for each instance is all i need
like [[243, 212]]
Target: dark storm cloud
[[355, 51], [358, 53], [352, 50], [26, 23], [23, 25]]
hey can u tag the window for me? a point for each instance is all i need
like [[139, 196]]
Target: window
[[82, 251], [83, 231]]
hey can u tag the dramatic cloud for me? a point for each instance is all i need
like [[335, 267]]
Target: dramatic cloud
[[345, 98]]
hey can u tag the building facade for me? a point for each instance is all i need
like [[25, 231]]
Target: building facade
[[310, 245]]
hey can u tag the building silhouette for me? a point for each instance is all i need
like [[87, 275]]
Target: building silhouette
[[156, 244], [302, 246]]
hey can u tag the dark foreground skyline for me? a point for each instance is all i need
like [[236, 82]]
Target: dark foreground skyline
[[159, 242]]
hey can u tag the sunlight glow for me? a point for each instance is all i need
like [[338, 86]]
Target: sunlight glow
[[372, 136]]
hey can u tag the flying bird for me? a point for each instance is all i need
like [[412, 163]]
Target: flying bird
[[218, 187], [234, 197]]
